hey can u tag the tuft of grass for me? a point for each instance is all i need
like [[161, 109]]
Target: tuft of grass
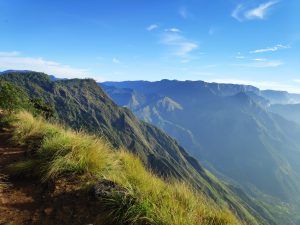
[[126, 210], [30, 131], [59, 151], [72, 152], [150, 199]]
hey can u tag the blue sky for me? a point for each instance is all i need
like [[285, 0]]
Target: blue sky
[[254, 42]]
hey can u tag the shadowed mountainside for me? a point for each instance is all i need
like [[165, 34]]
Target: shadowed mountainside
[[227, 127], [82, 104]]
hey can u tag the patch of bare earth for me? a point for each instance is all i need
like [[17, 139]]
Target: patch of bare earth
[[28, 201]]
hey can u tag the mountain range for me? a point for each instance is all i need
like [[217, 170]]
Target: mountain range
[[236, 131], [227, 128], [83, 105]]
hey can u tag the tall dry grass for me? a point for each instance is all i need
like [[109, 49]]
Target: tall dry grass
[[151, 200]]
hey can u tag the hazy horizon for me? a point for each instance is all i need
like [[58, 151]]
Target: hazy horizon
[[175, 112]]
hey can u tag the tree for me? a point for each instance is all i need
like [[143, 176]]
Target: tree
[[11, 97]]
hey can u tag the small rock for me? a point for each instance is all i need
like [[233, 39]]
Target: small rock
[[106, 188]]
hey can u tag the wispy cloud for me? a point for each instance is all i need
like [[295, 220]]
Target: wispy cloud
[[237, 12], [14, 60], [271, 49], [261, 11], [152, 27], [261, 84], [173, 29], [259, 59], [180, 46], [116, 61], [261, 64], [243, 12]]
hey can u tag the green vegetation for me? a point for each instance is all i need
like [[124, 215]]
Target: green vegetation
[[151, 200], [11, 97], [83, 105], [14, 98]]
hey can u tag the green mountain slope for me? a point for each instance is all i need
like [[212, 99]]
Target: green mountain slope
[[82, 104], [233, 135]]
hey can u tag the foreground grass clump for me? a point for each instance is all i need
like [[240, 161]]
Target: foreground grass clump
[[57, 151]]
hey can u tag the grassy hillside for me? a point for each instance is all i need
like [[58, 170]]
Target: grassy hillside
[[55, 152], [82, 105]]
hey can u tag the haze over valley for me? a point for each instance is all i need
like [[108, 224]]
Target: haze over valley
[[182, 112]]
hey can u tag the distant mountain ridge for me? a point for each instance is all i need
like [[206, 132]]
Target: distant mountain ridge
[[82, 104], [15, 71], [229, 128], [222, 89]]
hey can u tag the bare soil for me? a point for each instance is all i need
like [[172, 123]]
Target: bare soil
[[29, 201]]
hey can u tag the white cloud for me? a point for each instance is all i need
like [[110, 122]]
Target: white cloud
[[116, 61], [173, 29], [9, 54], [15, 61], [260, 59], [242, 12], [261, 64], [297, 80], [152, 27], [271, 49], [261, 11], [180, 45], [261, 84], [236, 13]]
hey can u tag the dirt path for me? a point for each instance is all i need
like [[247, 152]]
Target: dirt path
[[28, 201]]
